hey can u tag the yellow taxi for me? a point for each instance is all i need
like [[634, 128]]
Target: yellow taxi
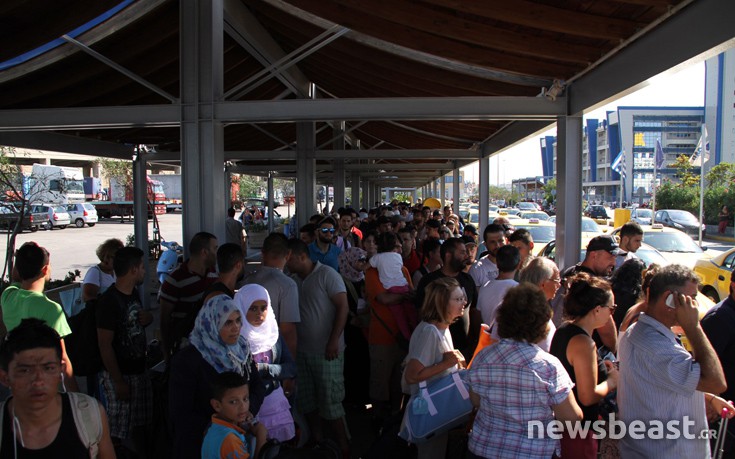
[[714, 274], [541, 231], [676, 246]]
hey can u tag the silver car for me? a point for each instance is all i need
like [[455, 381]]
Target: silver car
[[82, 213], [58, 217]]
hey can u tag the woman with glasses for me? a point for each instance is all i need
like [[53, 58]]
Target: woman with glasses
[[588, 304], [431, 353]]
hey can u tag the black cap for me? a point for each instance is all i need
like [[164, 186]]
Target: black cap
[[433, 224], [606, 243], [471, 228]]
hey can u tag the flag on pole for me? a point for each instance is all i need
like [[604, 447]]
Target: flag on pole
[[696, 158], [618, 165], [659, 154]]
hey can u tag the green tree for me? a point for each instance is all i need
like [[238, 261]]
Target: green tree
[[250, 187], [118, 169], [18, 192], [550, 191], [684, 171]]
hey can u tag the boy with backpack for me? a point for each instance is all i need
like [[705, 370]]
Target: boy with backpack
[[232, 435], [124, 388], [38, 420]]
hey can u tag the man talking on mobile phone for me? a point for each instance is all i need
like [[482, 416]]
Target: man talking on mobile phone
[[660, 381]]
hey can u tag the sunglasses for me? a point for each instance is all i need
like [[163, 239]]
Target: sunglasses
[[327, 230]]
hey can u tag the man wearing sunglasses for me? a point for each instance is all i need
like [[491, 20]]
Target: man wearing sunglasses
[[323, 250]]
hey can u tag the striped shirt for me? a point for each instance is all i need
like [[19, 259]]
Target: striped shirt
[[184, 289], [517, 383], [658, 381]]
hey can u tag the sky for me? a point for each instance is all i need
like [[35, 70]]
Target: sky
[[524, 159]]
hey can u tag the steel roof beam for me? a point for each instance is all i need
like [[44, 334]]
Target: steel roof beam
[[403, 108], [613, 75], [51, 141]]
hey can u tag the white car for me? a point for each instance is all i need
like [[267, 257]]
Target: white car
[[82, 214]]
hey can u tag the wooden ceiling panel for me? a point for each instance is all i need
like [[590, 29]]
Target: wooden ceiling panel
[[401, 33]]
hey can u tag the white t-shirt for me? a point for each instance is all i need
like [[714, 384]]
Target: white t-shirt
[[96, 276], [490, 296], [389, 265]]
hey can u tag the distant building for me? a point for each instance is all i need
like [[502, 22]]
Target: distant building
[[635, 131], [719, 107]]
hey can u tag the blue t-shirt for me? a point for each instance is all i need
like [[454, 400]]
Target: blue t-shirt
[[330, 258]]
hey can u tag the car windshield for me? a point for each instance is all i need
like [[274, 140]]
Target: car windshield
[[589, 226], [649, 255], [643, 213], [526, 206], [671, 242], [74, 186], [683, 216], [540, 215], [61, 209], [540, 234], [88, 206]]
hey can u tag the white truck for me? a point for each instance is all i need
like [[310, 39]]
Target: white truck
[[172, 188], [58, 184]]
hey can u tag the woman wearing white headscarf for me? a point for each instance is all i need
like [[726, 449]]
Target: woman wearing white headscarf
[[275, 364], [216, 347]]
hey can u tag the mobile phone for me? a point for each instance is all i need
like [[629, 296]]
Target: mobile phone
[[670, 301]]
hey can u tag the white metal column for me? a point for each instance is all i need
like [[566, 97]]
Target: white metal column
[[443, 189], [339, 165], [484, 205], [455, 189], [306, 172], [569, 190], [355, 198], [202, 137], [140, 204]]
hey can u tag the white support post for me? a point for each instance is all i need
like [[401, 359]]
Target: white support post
[[569, 191]]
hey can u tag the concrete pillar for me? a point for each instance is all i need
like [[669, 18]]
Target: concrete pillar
[[339, 165], [569, 190]]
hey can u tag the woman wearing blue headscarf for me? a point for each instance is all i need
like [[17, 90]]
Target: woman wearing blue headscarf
[[216, 347]]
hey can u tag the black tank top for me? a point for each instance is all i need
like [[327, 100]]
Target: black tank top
[[66, 444], [558, 348]]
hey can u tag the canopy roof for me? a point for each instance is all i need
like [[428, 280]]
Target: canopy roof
[[431, 83]]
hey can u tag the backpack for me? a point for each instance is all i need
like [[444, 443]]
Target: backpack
[[81, 346], [87, 419]]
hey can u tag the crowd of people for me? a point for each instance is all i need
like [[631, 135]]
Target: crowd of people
[[359, 309]]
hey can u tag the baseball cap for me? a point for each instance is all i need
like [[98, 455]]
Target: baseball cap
[[606, 243], [471, 228]]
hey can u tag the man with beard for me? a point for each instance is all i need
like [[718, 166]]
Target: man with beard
[[485, 269], [231, 267], [602, 252], [322, 250], [121, 322], [455, 258]]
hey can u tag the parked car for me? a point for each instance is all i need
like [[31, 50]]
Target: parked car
[[646, 253], [641, 215], [714, 275], [9, 216], [681, 220], [537, 214], [82, 213], [527, 206], [56, 215], [673, 244], [596, 212]]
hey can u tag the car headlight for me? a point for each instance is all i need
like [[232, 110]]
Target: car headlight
[[677, 225]]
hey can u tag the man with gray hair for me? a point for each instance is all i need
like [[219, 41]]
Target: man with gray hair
[[543, 273], [660, 381]]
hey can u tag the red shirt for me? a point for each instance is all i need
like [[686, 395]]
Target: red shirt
[[412, 263]]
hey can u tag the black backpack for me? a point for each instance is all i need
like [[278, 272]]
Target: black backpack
[[81, 346]]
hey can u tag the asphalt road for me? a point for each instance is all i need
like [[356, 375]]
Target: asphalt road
[[74, 248]]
